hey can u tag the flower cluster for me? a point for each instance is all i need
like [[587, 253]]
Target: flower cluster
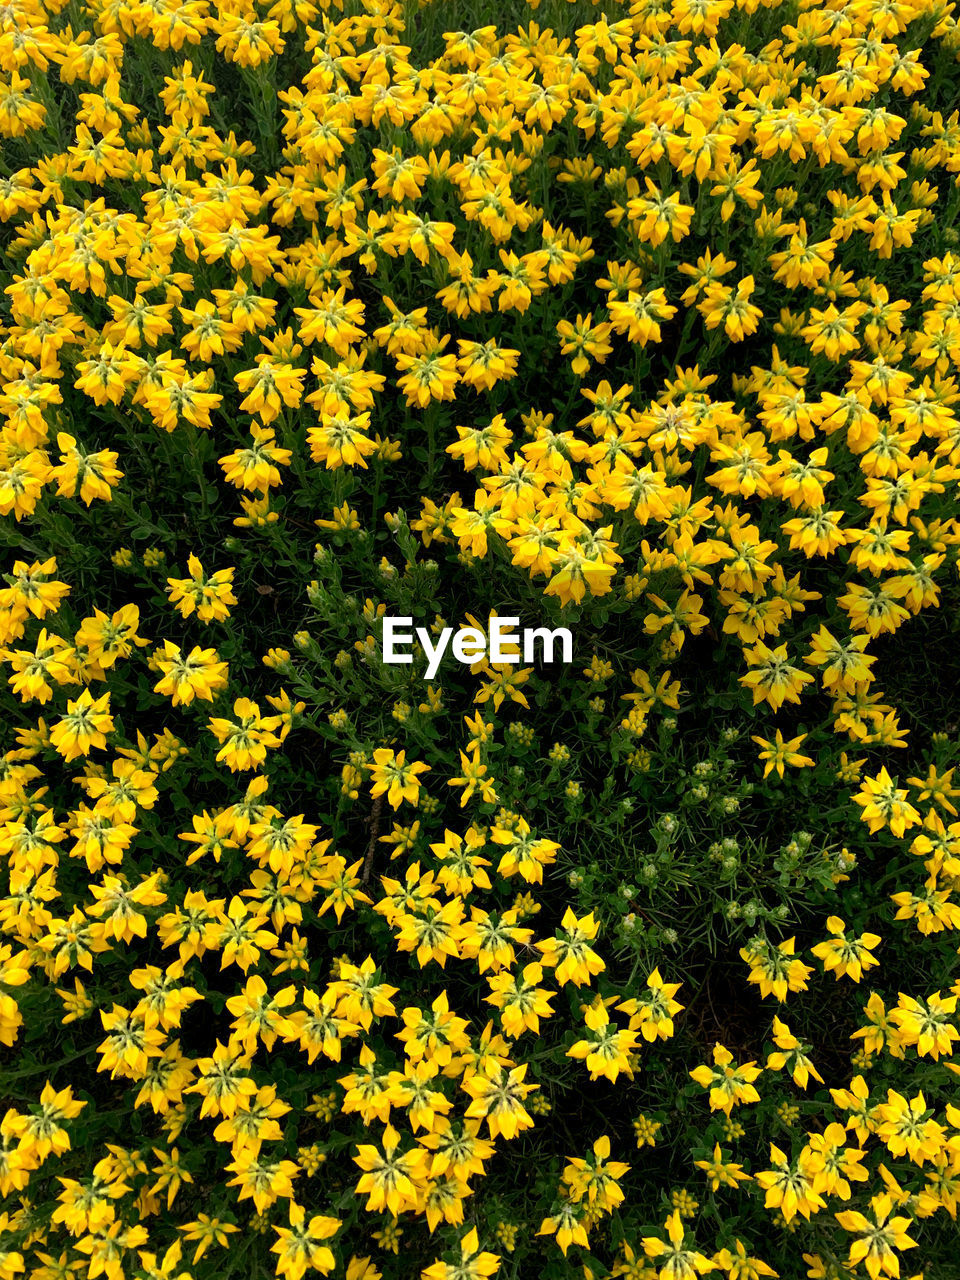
[[644, 323]]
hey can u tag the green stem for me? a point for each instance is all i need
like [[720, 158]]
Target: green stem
[[44, 1068]]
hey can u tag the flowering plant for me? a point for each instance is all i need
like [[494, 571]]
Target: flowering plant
[[643, 324]]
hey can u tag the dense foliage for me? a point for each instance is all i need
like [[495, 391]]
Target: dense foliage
[[643, 323]]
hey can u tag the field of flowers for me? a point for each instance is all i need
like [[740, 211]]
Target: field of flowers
[[640, 321]]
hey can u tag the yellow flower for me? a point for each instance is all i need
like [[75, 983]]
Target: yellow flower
[[878, 1239], [207, 1231], [300, 1245], [270, 386], [474, 1264], [729, 1085], [209, 597], [672, 1256], [246, 739], [391, 1178], [341, 440], [198, 675], [568, 953], [778, 753], [883, 804], [639, 315], [656, 216], [792, 1052], [429, 375], [790, 1187], [568, 1224], [731, 308], [526, 855], [93, 475], [846, 957], [255, 468], [609, 1050], [473, 779], [722, 1173], [772, 677], [521, 1002], [925, 1024], [498, 1097], [775, 969], [390, 775], [85, 725], [652, 1013]]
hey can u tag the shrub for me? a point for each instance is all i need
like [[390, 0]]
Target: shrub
[[321, 319]]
